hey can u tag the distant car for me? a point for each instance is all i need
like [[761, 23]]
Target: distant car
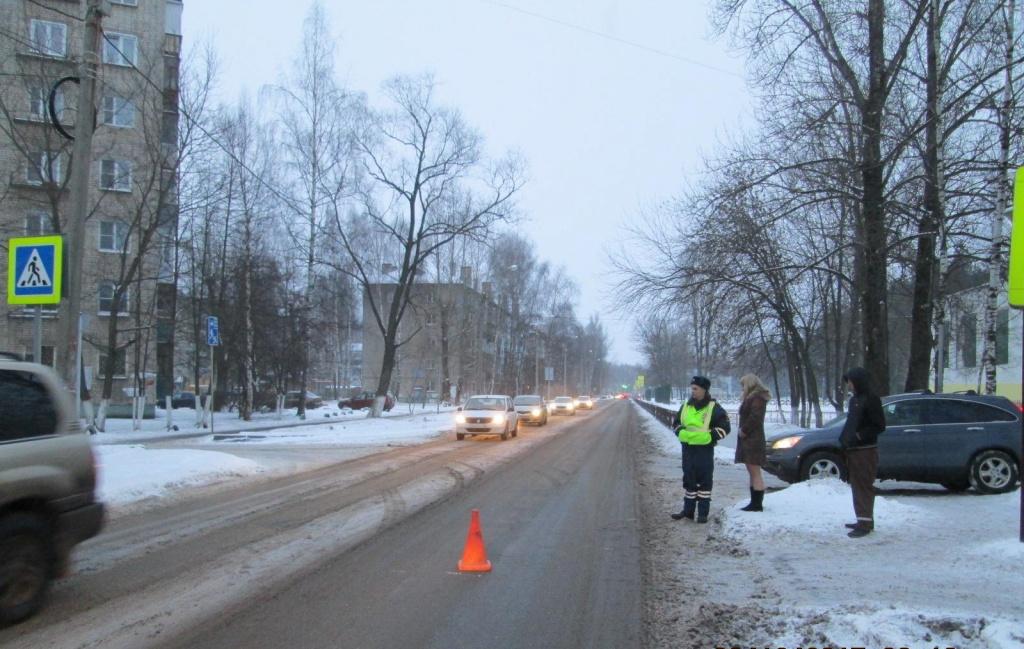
[[183, 400], [622, 395], [487, 414], [531, 409], [585, 402], [563, 406], [47, 486], [365, 400], [291, 399], [956, 440]]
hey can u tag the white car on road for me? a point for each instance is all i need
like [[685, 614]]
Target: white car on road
[[487, 414], [563, 406]]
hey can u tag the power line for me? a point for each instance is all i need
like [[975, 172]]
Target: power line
[[288, 201], [623, 41]]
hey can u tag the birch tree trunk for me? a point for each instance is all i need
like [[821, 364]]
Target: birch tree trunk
[[996, 270]]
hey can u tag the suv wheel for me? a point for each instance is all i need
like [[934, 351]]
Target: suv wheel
[[460, 436], [24, 567], [993, 472], [823, 464], [515, 431]]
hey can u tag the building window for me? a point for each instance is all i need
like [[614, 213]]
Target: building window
[[38, 103], [127, 3], [968, 340], [46, 354], [37, 224], [118, 111], [120, 49], [43, 166], [48, 38], [106, 299], [169, 127], [1002, 336], [120, 364], [113, 236], [116, 175]]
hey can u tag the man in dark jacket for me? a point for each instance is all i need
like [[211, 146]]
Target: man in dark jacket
[[865, 420], [699, 425]]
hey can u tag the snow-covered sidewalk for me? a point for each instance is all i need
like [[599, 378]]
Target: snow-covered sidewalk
[[941, 569]]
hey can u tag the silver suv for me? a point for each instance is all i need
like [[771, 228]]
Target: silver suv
[[47, 486]]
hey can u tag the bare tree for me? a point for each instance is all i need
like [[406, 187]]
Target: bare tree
[[317, 118], [423, 189]]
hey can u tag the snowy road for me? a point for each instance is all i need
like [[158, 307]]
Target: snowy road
[[363, 554]]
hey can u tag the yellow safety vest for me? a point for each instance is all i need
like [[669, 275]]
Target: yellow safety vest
[[696, 424]]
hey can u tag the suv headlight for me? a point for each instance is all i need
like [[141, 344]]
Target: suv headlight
[[460, 419], [535, 412], [786, 442], [499, 419]]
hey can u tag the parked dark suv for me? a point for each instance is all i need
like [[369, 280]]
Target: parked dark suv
[[956, 440]]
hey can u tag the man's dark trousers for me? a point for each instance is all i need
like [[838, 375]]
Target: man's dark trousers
[[698, 469], [862, 466]]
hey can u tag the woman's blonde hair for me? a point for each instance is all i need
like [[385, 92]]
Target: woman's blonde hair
[[752, 384]]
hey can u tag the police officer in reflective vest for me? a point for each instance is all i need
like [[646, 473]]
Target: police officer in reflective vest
[[699, 424]]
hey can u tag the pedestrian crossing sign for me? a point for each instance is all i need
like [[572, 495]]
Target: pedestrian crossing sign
[[34, 270]]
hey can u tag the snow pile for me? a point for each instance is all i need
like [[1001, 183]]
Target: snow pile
[[811, 507], [130, 473], [846, 626], [358, 432]]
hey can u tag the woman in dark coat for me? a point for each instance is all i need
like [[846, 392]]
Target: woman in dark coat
[[750, 445]]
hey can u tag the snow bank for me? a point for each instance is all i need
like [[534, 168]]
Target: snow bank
[[815, 506], [130, 473]]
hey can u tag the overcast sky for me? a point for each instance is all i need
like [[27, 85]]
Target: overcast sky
[[612, 102]]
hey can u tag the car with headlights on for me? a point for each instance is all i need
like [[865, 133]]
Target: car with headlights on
[[531, 409], [487, 414], [563, 406], [956, 440], [584, 402]]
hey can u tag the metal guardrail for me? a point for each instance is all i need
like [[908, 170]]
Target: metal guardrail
[[663, 414]]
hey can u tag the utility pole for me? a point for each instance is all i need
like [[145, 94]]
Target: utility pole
[[81, 162]]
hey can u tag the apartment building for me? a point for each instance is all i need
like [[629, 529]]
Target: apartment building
[[128, 263], [965, 344], [453, 345]]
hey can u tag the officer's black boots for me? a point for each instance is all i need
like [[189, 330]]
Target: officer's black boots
[[756, 501], [703, 507], [689, 504]]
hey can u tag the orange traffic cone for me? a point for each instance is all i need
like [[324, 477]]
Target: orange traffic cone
[[474, 556]]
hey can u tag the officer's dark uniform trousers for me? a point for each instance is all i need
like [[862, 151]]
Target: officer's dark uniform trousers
[[698, 469]]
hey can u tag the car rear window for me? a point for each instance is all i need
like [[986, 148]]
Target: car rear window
[[528, 401], [955, 411], [26, 409], [477, 403]]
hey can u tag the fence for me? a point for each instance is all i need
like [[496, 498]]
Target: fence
[[665, 413]]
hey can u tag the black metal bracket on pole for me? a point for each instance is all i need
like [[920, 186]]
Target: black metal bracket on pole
[[52, 106]]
